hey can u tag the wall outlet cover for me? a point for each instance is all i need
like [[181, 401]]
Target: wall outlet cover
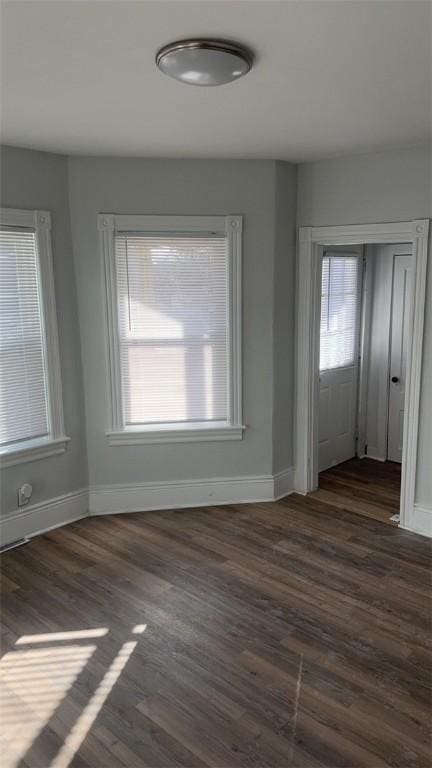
[[24, 494]]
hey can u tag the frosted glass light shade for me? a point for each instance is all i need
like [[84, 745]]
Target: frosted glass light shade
[[204, 62]]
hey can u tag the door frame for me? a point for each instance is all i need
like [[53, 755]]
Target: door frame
[[312, 240], [364, 347]]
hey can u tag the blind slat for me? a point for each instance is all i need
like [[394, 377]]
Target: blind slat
[[173, 323], [23, 400], [339, 311]]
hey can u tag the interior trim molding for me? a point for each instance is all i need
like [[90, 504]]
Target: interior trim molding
[[38, 450], [177, 494], [283, 483], [419, 520], [312, 240], [150, 437], [143, 497], [373, 453], [231, 228], [39, 222], [44, 516]]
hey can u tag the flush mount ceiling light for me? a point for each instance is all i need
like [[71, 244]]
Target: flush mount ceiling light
[[204, 62]]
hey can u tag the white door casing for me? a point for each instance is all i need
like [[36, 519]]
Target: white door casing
[[311, 243], [398, 354], [367, 289]]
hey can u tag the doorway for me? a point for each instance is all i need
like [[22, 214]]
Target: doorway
[[313, 243], [365, 297]]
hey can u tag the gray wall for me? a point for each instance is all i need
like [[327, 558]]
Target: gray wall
[[39, 180], [283, 315], [179, 187], [386, 186]]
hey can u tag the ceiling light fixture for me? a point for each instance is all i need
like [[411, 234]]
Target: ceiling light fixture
[[204, 61]]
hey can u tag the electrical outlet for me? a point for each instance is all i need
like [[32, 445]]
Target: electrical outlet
[[24, 494]]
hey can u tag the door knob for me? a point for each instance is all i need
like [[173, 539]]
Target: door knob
[[395, 379]]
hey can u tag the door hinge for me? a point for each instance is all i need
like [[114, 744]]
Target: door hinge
[[365, 449]]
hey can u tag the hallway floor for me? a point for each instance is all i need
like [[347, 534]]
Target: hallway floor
[[364, 486]]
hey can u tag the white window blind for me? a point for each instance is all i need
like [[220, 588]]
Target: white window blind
[[173, 326], [339, 311], [23, 397]]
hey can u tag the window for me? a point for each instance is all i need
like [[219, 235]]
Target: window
[[339, 311], [174, 327], [31, 419]]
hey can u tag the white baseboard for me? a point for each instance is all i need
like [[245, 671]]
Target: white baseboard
[[283, 483], [374, 453], [41, 517], [299, 482], [109, 499], [419, 520]]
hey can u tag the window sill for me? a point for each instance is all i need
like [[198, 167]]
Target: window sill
[[175, 435], [32, 450]]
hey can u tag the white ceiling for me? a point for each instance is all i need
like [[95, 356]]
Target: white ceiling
[[330, 78]]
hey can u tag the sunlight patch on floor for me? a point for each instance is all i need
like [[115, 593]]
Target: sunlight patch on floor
[[33, 683], [37, 676], [91, 711], [50, 637]]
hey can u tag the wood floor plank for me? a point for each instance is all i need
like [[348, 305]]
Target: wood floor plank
[[369, 488], [293, 634]]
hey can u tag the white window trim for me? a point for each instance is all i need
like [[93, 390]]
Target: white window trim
[[56, 442], [231, 226]]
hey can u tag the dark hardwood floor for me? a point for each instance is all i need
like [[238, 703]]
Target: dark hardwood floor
[[367, 487], [293, 633]]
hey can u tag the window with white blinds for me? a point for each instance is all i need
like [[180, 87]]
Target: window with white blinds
[[174, 321], [173, 324], [339, 311], [31, 407], [23, 386]]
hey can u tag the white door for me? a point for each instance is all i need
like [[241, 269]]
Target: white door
[[398, 347], [339, 350]]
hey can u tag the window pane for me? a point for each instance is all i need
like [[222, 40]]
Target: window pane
[[339, 311], [23, 401], [173, 318]]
